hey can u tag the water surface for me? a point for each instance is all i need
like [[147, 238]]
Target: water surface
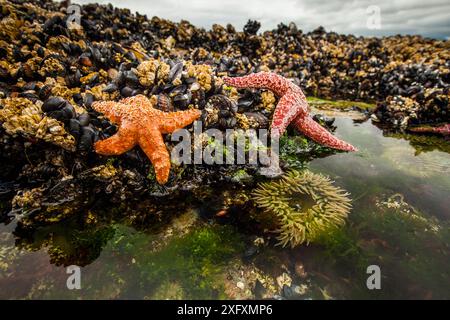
[[399, 184]]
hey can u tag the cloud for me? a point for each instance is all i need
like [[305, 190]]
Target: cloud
[[429, 18]]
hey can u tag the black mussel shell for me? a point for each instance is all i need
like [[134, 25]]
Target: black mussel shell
[[128, 92], [110, 88], [84, 119], [87, 139], [164, 103], [182, 101], [175, 71], [74, 128], [222, 102], [178, 90], [53, 104]]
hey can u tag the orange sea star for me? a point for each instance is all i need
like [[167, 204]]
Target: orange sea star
[[140, 123]]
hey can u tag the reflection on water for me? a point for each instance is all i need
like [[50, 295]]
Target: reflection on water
[[192, 249], [391, 164]]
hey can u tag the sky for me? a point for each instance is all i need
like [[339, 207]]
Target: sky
[[430, 18]]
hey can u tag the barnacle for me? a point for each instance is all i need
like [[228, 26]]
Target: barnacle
[[305, 205], [268, 100], [202, 72], [51, 67], [185, 31], [242, 121], [10, 27], [104, 171], [21, 116], [152, 70], [28, 198], [99, 94]]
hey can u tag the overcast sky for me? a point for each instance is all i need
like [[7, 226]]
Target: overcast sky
[[426, 17]]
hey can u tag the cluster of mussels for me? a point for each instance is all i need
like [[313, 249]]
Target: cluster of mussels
[[52, 69]]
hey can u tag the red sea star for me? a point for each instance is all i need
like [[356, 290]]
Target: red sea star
[[292, 107], [442, 129], [140, 123]]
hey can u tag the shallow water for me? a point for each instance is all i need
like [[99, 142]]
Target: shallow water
[[399, 222]]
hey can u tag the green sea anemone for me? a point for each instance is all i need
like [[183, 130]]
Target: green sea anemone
[[305, 205]]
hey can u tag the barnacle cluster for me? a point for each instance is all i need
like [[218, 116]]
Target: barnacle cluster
[[21, 116], [202, 72], [148, 71], [304, 204]]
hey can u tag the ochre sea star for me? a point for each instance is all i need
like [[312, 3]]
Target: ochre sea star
[[140, 123], [442, 129], [292, 108]]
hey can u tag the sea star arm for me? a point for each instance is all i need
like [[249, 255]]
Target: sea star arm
[[111, 109], [319, 134], [443, 129], [179, 119], [117, 144], [152, 144], [289, 107], [262, 80]]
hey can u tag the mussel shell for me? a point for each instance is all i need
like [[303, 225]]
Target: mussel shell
[[164, 103], [74, 128], [199, 98], [128, 92], [53, 104], [175, 71], [96, 54], [85, 60], [30, 95], [182, 100], [244, 103], [84, 119], [178, 90], [29, 86], [222, 102], [87, 138], [64, 114], [109, 131], [4, 73], [227, 123], [78, 98], [110, 88], [131, 78], [88, 100]]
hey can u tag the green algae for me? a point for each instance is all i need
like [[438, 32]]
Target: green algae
[[195, 261], [190, 263], [296, 151], [339, 104]]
